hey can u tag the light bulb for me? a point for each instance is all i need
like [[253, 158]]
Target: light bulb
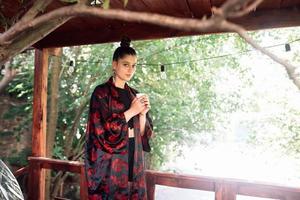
[[163, 75]]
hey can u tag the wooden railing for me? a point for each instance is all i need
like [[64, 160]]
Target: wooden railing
[[224, 189], [38, 163], [21, 171]]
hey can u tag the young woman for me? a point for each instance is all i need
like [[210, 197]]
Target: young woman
[[118, 131]]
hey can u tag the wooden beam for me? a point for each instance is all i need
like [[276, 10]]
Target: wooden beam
[[37, 163], [83, 184], [225, 191], [21, 171], [35, 189], [40, 102], [268, 191], [150, 181], [181, 181], [76, 33], [55, 164], [37, 176]]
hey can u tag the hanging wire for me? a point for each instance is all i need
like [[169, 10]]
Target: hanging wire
[[286, 45], [226, 55]]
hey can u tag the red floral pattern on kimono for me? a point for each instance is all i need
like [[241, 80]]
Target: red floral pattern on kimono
[[106, 160]]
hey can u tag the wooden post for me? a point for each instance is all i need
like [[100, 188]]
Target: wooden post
[[33, 182], [83, 184], [39, 125], [225, 191], [150, 182]]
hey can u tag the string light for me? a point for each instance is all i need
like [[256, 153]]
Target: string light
[[163, 74], [287, 47], [71, 63], [71, 66]]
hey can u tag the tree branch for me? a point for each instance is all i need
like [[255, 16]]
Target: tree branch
[[71, 135], [290, 69], [130, 16], [37, 7], [218, 21], [233, 7], [28, 37], [246, 10], [8, 76]]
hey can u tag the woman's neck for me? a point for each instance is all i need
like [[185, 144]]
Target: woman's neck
[[119, 83]]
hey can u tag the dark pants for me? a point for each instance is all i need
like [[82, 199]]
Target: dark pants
[[130, 159]]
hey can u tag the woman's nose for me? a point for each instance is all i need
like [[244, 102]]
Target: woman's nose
[[131, 69]]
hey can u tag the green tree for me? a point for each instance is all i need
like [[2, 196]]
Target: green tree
[[194, 101]]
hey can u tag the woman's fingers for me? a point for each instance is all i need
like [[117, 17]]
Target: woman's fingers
[[134, 100], [147, 102], [143, 103], [144, 99]]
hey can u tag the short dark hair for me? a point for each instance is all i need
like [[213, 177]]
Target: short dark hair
[[123, 49]]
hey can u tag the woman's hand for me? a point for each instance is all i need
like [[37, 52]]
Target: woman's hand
[[135, 108], [145, 100], [139, 105]]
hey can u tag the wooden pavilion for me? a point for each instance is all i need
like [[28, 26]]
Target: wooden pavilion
[[91, 30]]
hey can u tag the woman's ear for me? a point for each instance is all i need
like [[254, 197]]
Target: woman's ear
[[114, 65]]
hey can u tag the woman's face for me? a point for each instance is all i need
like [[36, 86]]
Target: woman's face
[[125, 67]]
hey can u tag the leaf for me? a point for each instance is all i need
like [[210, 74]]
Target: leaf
[[125, 3], [106, 4]]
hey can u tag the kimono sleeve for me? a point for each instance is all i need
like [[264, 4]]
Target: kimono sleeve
[[106, 130], [147, 134]]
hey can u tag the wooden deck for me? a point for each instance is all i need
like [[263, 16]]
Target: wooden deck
[[224, 189]]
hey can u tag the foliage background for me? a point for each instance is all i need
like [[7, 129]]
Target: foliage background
[[209, 79]]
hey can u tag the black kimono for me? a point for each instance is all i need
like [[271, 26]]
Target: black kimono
[[107, 145]]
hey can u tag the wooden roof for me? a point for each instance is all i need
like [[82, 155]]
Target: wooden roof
[[91, 30]]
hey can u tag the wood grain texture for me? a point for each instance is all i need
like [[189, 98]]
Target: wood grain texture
[[225, 191], [40, 103], [55, 164], [289, 3], [39, 125], [92, 30], [83, 184], [224, 188], [21, 171]]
